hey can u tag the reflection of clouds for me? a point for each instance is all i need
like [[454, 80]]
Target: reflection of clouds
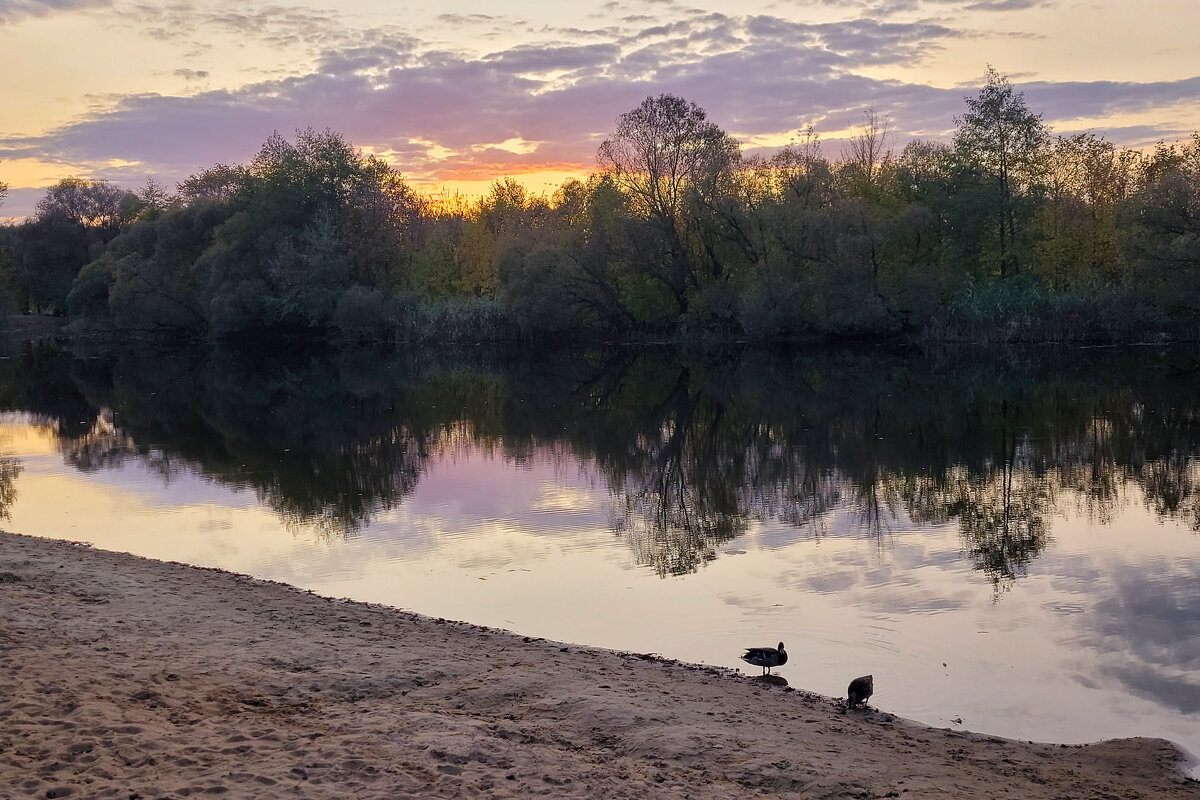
[[530, 496], [1147, 630]]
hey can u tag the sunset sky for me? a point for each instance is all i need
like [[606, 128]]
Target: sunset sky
[[456, 98]]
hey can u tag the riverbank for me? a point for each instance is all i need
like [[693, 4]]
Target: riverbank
[[122, 677]]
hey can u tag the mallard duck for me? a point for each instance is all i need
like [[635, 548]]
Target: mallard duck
[[766, 657], [859, 690]]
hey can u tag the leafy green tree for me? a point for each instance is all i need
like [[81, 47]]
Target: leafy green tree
[[1001, 143], [144, 280], [48, 253], [219, 183], [308, 220], [71, 225], [1161, 222], [1085, 179]]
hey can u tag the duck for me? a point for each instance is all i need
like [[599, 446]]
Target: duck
[[859, 691], [766, 657]]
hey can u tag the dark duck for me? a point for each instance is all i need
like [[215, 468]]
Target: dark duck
[[766, 657], [859, 691]]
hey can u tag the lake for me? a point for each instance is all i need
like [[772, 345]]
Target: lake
[[1008, 543]]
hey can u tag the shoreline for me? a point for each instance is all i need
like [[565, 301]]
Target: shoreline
[[121, 676]]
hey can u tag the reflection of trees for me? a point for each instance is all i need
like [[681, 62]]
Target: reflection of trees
[[1002, 513], [1172, 487], [695, 449], [327, 442], [10, 468], [687, 494], [101, 446], [1003, 520]]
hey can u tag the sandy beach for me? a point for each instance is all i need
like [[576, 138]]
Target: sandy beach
[[126, 678]]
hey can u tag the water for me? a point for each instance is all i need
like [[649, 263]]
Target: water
[[1009, 545]]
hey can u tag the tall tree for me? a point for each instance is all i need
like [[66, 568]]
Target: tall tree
[[666, 156], [1001, 139], [1162, 229], [868, 151]]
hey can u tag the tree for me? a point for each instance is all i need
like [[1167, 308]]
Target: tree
[[1161, 222], [671, 161], [219, 183], [1084, 180], [1003, 141], [144, 280], [98, 205], [308, 220], [48, 253], [867, 152], [664, 147]]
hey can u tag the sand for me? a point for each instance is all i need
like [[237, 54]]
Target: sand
[[122, 677]]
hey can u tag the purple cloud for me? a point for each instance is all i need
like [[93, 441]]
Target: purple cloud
[[444, 113]]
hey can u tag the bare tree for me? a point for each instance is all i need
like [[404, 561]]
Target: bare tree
[[673, 165], [869, 150], [663, 148]]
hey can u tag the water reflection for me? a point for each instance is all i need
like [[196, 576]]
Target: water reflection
[[694, 449], [10, 468], [1026, 521]]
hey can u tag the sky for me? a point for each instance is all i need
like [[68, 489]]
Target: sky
[[458, 94]]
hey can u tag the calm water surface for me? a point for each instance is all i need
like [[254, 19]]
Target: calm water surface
[[1009, 545]]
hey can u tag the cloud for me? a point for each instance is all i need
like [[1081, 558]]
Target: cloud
[[435, 110], [1105, 98], [13, 10], [274, 25], [1148, 632], [876, 10]]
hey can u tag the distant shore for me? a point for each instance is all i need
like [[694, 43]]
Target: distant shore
[[123, 677]]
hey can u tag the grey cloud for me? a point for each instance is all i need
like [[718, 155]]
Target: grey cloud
[[12, 10], [1148, 630], [465, 19], [275, 25], [1102, 98], [761, 75], [1005, 5], [382, 55], [545, 59], [20, 202], [894, 7]]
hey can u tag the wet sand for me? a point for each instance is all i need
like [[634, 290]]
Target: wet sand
[[122, 677]]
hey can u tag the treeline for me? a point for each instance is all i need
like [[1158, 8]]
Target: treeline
[[1005, 233]]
